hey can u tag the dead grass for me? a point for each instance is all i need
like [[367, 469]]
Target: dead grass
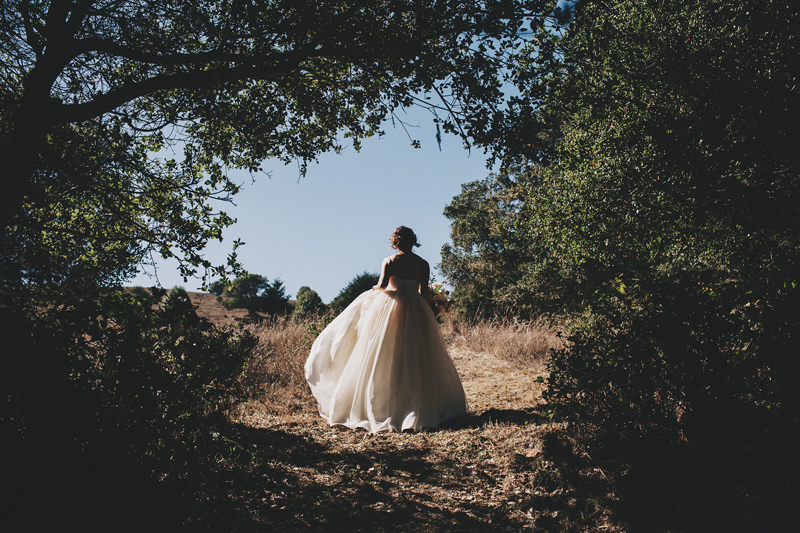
[[524, 344], [500, 468], [274, 374], [503, 467], [515, 352], [272, 464]]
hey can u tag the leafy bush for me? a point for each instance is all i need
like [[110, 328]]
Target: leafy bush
[[114, 375], [143, 295], [177, 305]]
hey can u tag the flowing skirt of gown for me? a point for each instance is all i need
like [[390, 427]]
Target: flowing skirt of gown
[[382, 364]]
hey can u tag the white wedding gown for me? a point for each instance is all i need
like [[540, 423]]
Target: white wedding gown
[[382, 364]]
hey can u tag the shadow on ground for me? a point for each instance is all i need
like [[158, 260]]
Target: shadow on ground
[[519, 417], [279, 479], [299, 485]]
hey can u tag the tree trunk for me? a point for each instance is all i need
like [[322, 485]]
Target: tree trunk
[[19, 153]]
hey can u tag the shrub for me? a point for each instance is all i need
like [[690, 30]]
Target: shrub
[[143, 295], [160, 372], [114, 375], [176, 305]]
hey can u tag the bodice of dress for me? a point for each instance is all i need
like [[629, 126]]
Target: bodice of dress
[[403, 283]]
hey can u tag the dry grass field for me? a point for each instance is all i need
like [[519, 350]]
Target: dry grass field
[[507, 465], [488, 471], [500, 468], [208, 307]]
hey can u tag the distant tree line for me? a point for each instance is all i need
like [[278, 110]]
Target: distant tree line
[[257, 294]]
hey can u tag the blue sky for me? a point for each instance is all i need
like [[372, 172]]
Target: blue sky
[[325, 228]]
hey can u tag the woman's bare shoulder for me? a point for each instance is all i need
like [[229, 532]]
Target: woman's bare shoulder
[[421, 261]]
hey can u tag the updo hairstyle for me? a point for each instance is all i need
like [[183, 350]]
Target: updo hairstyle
[[403, 238]]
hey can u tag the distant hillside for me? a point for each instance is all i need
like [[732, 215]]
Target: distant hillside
[[208, 307]]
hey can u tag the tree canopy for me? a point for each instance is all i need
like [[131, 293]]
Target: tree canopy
[[664, 210], [489, 254], [127, 115]]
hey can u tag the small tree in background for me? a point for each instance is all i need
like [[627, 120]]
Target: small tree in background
[[177, 305], [244, 292], [274, 299], [308, 303], [217, 287], [361, 283], [255, 293], [490, 261]]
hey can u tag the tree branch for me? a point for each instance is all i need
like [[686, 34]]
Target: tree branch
[[455, 118], [78, 14], [56, 19], [261, 68], [104, 103], [96, 44], [33, 39]]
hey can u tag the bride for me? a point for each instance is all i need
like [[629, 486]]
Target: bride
[[382, 364]]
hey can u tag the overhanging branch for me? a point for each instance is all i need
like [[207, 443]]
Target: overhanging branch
[[246, 67], [107, 102]]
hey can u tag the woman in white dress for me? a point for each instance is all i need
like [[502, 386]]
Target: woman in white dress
[[382, 364]]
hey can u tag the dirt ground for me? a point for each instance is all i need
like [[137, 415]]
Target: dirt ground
[[483, 472]]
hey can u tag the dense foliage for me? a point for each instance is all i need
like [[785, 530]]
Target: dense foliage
[[665, 210], [490, 258], [98, 381]]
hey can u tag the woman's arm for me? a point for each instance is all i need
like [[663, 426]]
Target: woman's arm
[[424, 280], [383, 282]]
